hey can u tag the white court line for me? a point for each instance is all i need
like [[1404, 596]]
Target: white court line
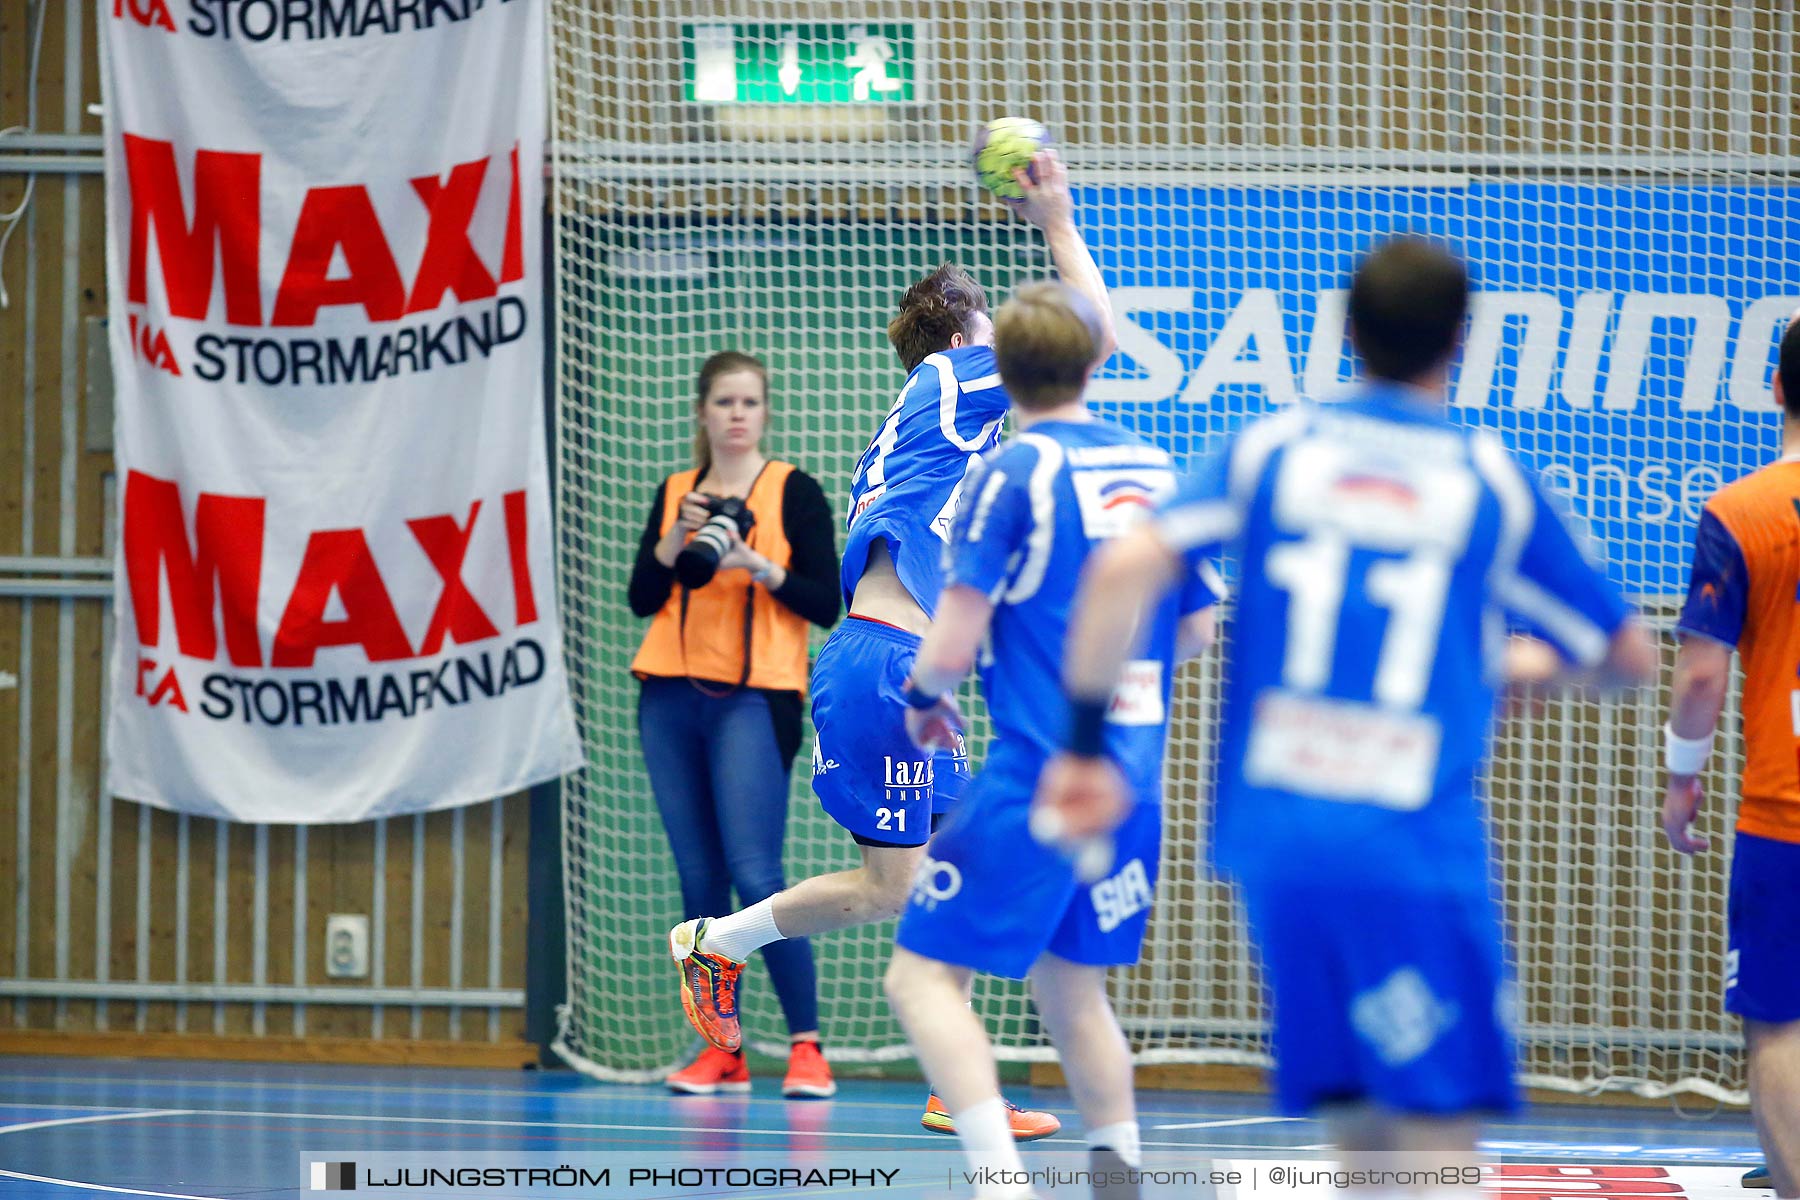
[[948, 1143], [99, 1187], [136, 1115], [593, 1090], [375, 1119], [1233, 1121], [1516, 1125]]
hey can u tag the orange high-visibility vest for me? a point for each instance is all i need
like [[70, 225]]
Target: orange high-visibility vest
[[731, 631]]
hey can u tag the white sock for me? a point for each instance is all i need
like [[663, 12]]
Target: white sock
[[1121, 1138], [987, 1140], [743, 933]]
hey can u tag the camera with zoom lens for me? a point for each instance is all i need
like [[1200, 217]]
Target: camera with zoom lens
[[699, 559]]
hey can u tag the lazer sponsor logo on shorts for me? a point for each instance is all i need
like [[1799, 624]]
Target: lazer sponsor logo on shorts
[[1121, 895], [907, 773], [1731, 969], [959, 752], [1401, 1018], [935, 882]]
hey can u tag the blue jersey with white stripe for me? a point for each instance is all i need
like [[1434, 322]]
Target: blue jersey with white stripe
[[906, 485], [1383, 552], [1028, 520]]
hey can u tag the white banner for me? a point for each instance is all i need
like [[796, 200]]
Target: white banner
[[334, 594]]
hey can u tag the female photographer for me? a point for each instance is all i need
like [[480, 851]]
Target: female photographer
[[738, 554]]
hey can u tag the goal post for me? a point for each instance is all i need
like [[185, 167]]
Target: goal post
[[769, 176]]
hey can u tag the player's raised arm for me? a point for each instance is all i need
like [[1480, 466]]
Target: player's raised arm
[[1050, 206]]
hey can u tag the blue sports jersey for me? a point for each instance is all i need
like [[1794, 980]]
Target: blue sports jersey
[[1029, 518], [907, 483], [1382, 550]]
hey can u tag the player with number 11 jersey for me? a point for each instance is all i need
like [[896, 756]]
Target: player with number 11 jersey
[[1382, 550]]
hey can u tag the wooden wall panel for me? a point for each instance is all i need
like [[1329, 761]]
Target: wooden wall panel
[[160, 1016], [473, 1026]]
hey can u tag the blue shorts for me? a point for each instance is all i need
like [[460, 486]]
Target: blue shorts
[[990, 897], [1401, 999], [866, 772], [1762, 959]]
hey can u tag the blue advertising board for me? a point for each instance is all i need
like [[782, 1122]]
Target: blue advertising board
[[1622, 338]]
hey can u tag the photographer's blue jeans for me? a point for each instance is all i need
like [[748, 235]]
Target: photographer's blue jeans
[[723, 795]]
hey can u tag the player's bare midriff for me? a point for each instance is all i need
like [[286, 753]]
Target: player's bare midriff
[[881, 596]]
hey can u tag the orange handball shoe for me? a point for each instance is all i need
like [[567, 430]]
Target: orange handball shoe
[[1027, 1125], [714, 1071], [808, 1074], [708, 986]]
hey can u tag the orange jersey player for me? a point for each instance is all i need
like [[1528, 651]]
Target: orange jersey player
[[1744, 595]]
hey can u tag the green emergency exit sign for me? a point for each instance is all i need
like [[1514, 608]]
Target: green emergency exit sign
[[801, 63]]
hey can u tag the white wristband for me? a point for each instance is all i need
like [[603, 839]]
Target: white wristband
[[1685, 756]]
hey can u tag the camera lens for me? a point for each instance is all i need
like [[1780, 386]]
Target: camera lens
[[699, 559]]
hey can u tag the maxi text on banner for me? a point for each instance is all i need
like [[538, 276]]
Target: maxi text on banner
[[334, 588]]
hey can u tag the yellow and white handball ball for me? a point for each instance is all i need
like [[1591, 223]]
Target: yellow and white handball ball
[[1005, 146]]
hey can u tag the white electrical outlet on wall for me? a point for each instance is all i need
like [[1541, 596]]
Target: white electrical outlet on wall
[[347, 946]]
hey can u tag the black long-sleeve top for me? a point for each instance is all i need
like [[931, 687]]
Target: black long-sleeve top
[[811, 588]]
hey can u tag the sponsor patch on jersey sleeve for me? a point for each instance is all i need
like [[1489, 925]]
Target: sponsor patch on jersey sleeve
[[1114, 500]]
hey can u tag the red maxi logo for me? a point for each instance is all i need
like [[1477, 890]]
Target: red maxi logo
[[222, 236], [215, 583]]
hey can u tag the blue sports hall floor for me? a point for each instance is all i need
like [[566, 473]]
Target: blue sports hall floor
[[113, 1127]]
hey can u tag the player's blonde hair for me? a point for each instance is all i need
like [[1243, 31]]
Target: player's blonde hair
[[1046, 338]]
